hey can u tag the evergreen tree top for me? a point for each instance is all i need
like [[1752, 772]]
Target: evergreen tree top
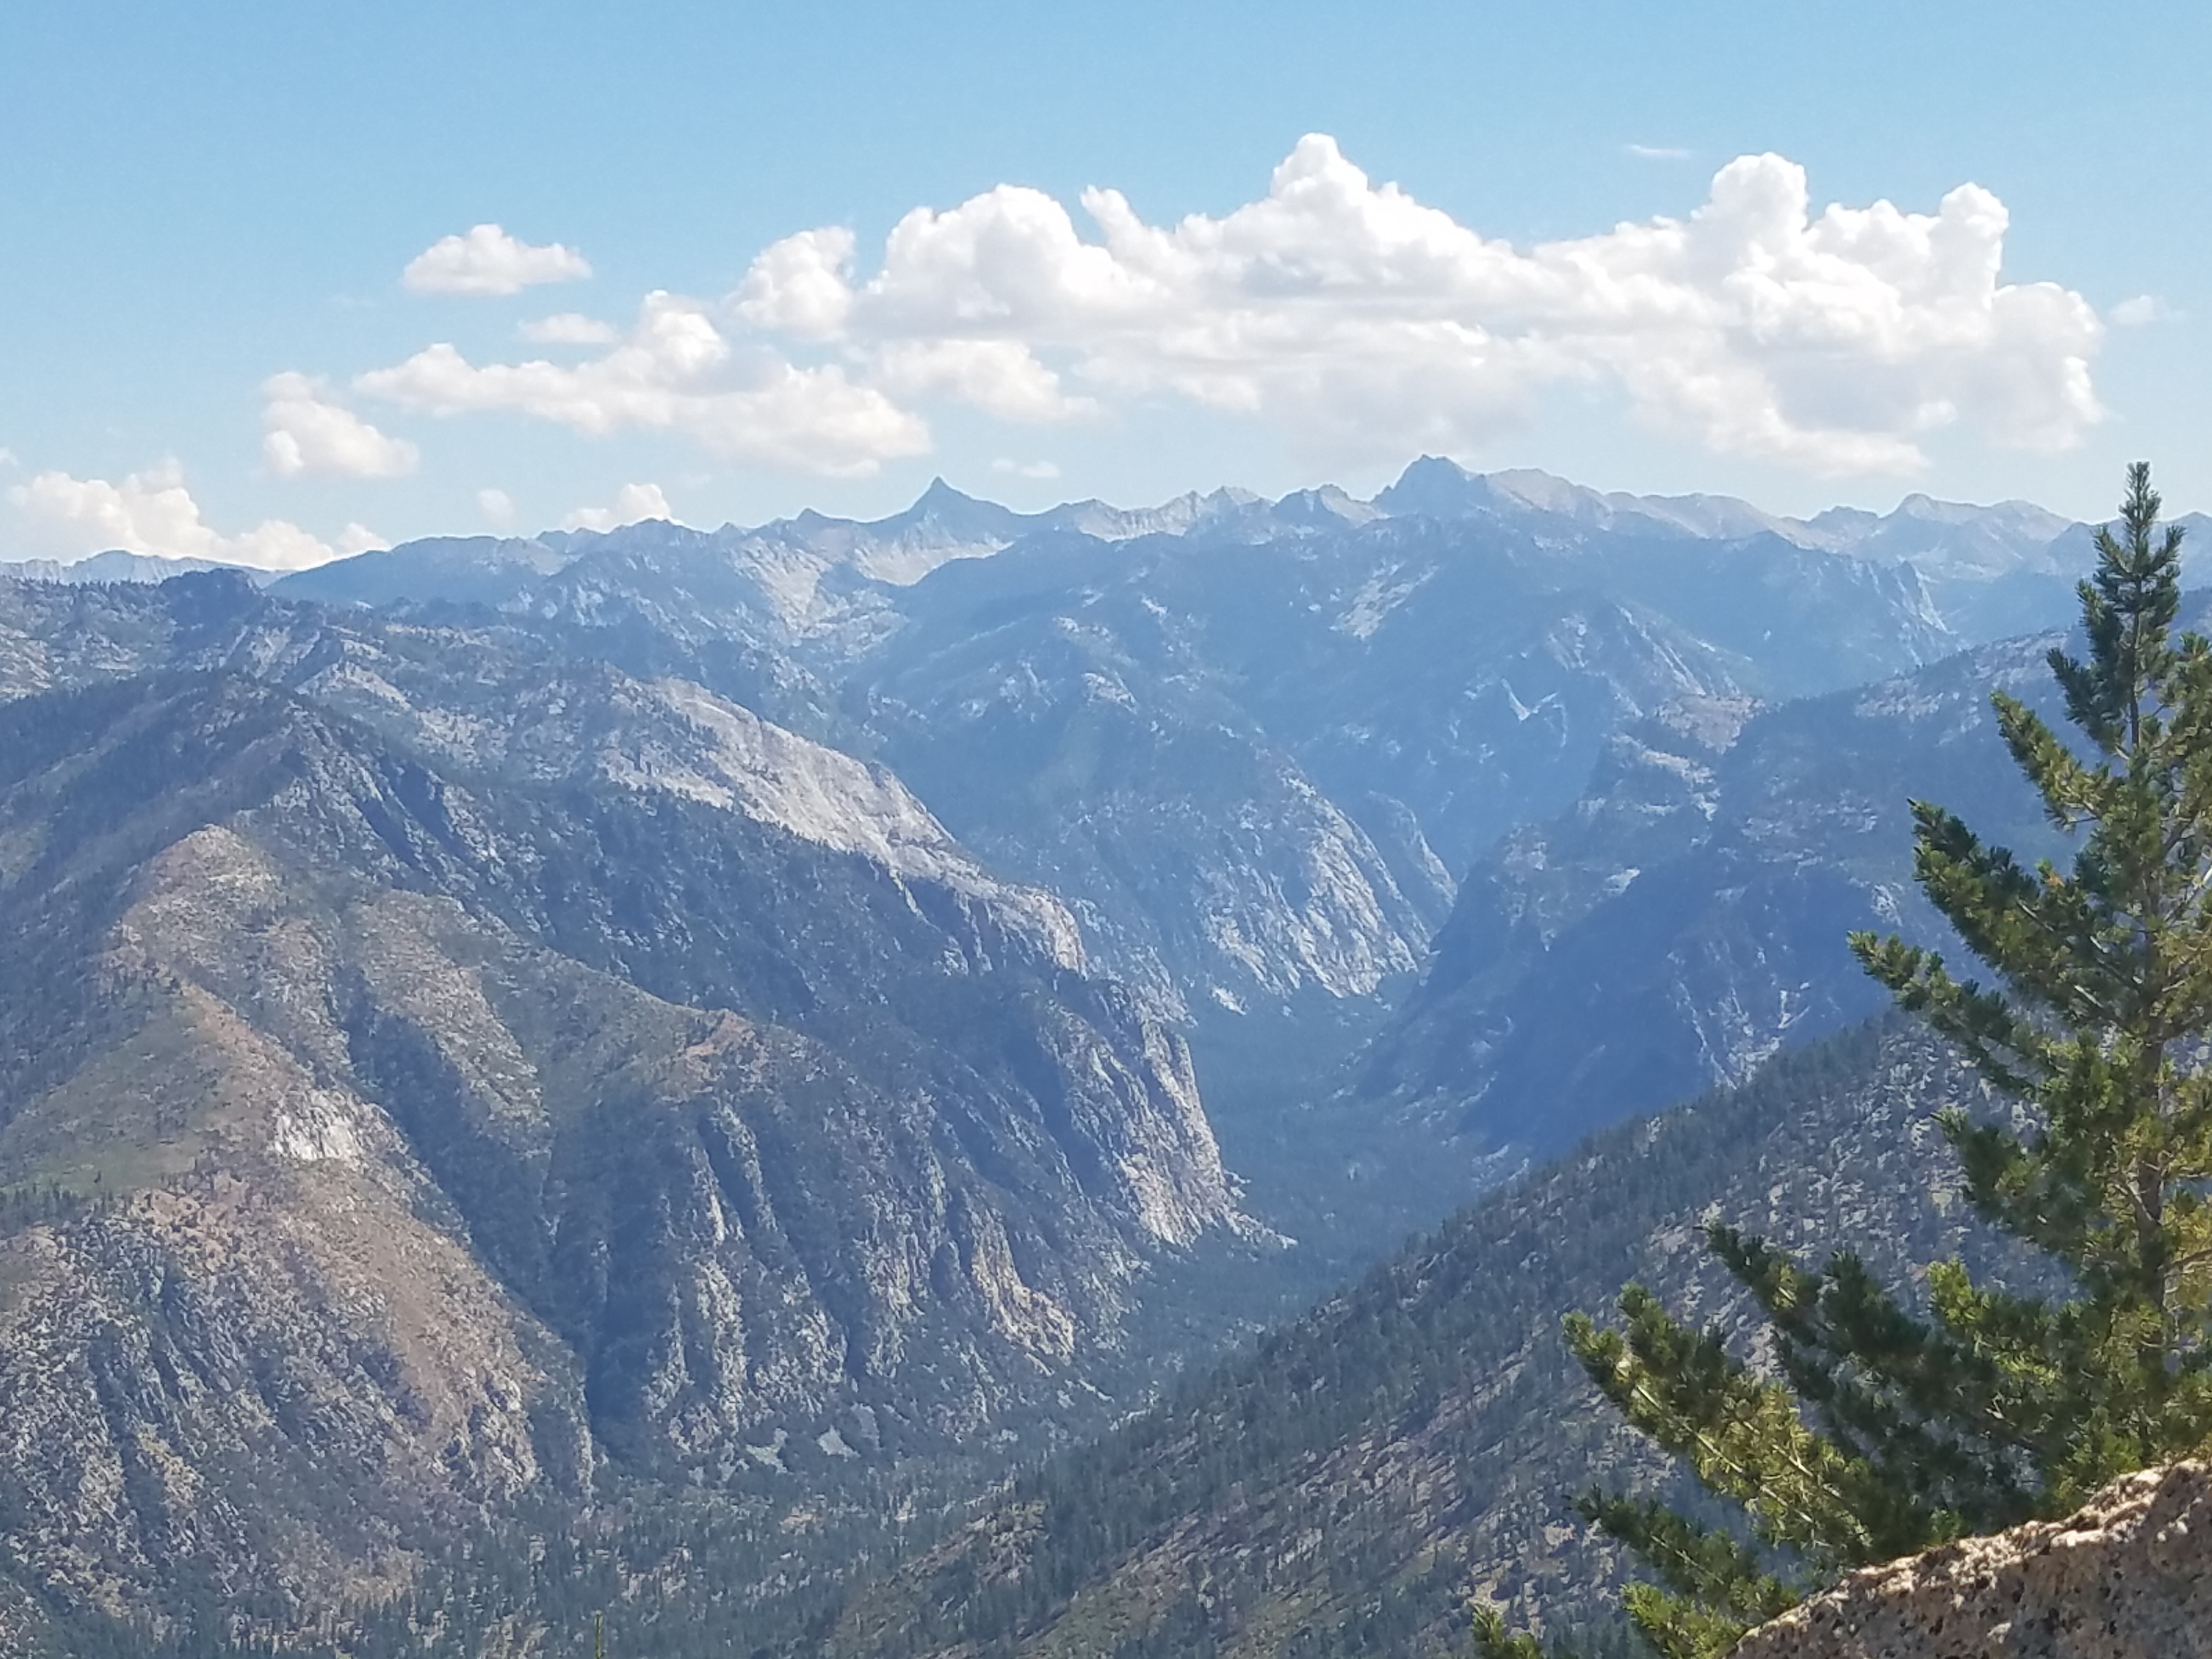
[[1891, 1428]]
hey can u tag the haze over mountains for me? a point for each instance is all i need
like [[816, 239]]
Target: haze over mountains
[[768, 1028]]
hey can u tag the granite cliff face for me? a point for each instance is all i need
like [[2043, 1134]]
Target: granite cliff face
[[439, 1082]]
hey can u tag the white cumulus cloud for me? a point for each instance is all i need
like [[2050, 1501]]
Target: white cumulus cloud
[[153, 513], [1357, 320], [632, 502], [497, 507], [486, 260], [306, 432], [1364, 322], [675, 371], [799, 284], [999, 377]]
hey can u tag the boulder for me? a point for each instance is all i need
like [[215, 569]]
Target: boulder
[[2128, 1577]]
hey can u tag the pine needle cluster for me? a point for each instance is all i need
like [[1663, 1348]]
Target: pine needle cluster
[[1884, 1429]]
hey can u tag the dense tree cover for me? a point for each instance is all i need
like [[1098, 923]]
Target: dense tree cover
[[1888, 1431]]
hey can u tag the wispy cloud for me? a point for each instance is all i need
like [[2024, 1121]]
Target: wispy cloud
[[1038, 469], [1657, 152], [2141, 311]]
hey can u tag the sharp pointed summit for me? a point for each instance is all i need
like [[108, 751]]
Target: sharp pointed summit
[[1435, 488], [939, 494]]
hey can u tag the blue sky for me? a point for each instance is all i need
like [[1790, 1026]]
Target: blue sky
[[208, 213]]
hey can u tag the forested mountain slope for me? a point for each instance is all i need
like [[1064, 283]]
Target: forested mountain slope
[[1345, 1486]]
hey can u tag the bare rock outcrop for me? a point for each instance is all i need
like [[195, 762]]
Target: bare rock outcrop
[[2128, 1577]]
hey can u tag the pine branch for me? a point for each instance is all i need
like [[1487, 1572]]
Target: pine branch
[[1704, 1564], [1886, 1430]]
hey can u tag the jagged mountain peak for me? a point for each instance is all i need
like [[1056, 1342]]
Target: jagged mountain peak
[[1704, 516], [2023, 526], [1992, 569], [941, 496], [1435, 486], [1963, 541], [955, 513], [1920, 505], [1325, 507]]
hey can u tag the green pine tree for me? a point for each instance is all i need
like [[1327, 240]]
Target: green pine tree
[[1888, 1431]]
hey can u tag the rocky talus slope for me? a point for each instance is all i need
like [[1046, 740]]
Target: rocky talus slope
[[2128, 1577]]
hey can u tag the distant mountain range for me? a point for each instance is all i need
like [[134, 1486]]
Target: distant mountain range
[[1254, 743], [1958, 547]]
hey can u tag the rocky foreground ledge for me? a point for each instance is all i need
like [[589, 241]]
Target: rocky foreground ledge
[[2128, 1577]]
